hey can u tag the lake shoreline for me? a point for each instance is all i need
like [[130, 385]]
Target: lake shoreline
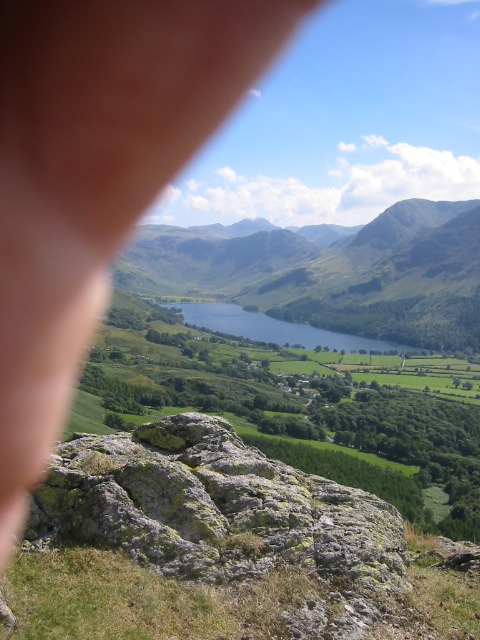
[[232, 319]]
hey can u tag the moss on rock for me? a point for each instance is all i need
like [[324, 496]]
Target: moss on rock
[[171, 492]]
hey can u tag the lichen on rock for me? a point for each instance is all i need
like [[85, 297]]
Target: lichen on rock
[[188, 498]]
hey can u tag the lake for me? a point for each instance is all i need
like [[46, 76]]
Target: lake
[[232, 319]]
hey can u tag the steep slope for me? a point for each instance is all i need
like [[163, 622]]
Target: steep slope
[[451, 251], [324, 235], [444, 260], [245, 227], [365, 269], [425, 293], [406, 220], [183, 260]]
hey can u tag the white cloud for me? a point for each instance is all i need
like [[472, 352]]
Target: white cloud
[[160, 209], [474, 16], [192, 185], [227, 174], [406, 171], [361, 190], [336, 173], [168, 196], [282, 201], [374, 142], [347, 148], [409, 172], [197, 203], [256, 93]]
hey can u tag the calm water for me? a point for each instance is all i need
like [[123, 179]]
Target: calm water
[[231, 318]]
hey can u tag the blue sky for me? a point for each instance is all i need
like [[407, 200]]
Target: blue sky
[[375, 101]]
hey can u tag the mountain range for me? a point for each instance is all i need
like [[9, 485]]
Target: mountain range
[[419, 260]]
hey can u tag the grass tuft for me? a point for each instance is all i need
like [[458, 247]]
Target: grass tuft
[[245, 540], [95, 463], [417, 541]]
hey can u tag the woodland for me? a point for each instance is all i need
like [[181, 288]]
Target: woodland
[[330, 423]]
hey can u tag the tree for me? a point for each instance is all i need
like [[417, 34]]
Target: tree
[[260, 402], [114, 421]]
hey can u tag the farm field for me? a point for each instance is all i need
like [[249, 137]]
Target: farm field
[[303, 368], [447, 364], [87, 417], [335, 357], [141, 360], [408, 470], [435, 384], [451, 379]]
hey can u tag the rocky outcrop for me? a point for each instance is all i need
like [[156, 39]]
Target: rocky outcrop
[[187, 497], [458, 556]]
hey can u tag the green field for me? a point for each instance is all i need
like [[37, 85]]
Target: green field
[[86, 416], [87, 413], [300, 367], [371, 458], [331, 357], [438, 385], [443, 363], [437, 500]]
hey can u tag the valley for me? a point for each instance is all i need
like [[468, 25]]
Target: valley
[[399, 421], [409, 276], [326, 411]]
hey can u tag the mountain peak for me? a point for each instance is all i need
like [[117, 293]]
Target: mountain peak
[[406, 220], [248, 226]]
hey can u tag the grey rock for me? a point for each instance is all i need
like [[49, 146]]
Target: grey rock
[[301, 622], [7, 618], [463, 561], [432, 554], [357, 535], [459, 556], [188, 498]]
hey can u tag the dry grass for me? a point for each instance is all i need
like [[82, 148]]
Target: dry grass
[[95, 463], [443, 605], [417, 541], [245, 540], [449, 600], [87, 594], [261, 605]]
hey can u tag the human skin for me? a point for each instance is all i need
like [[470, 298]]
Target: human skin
[[101, 104]]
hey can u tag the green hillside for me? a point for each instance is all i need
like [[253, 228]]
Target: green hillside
[[411, 275], [195, 261], [384, 411]]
